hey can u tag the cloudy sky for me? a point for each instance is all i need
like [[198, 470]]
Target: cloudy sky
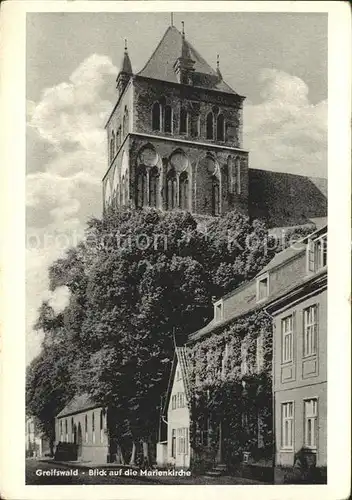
[[278, 61]]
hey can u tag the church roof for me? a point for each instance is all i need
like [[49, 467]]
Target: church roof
[[160, 66], [286, 200], [126, 66], [77, 404]]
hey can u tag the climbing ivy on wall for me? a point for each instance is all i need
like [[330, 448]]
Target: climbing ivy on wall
[[222, 396]]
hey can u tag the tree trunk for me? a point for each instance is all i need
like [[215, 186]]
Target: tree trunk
[[122, 458], [146, 457], [133, 454]]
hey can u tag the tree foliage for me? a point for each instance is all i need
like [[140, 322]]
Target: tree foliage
[[141, 279]]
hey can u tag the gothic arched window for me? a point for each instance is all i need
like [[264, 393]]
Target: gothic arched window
[[153, 187], [101, 426], [183, 191], [215, 196], [238, 175], [220, 128], [122, 191], [195, 126], [156, 116], [183, 121], [112, 146], [168, 119], [171, 190], [125, 123], [210, 126], [141, 200]]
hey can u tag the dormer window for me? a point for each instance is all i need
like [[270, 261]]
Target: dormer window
[[317, 253], [218, 311], [262, 287]]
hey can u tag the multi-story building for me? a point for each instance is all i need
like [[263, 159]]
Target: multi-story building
[[300, 362], [240, 347]]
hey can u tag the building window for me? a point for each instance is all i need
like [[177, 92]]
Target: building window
[[61, 433], [310, 330], [238, 175], [117, 141], [171, 190], [244, 353], [86, 427], [220, 128], [168, 119], [141, 188], [183, 121], [178, 374], [182, 437], [218, 310], [310, 423], [173, 443], [125, 123], [153, 187], [215, 198], [156, 116], [262, 288], [287, 425], [195, 126], [93, 427], [287, 339], [260, 352], [72, 431], [210, 126], [183, 191], [224, 359], [112, 141], [66, 430], [101, 426], [173, 402], [317, 253]]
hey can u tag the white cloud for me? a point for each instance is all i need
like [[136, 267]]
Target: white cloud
[[285, 132], [64, 190]]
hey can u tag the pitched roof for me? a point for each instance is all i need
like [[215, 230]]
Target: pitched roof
[[160, 66], [181, 358], [77, 404], [126, 66], [284, 199]]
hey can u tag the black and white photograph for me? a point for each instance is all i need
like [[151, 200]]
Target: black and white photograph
[[176, 247]]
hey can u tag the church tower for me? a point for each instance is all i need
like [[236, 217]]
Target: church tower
[[175, 135]]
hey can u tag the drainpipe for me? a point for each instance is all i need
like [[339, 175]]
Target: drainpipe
[[273, 395]]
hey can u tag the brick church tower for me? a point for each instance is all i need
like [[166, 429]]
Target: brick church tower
[[175, 135]]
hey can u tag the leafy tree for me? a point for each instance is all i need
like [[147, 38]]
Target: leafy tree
[[141, 280]]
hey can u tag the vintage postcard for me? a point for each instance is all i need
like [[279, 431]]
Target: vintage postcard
[[176, 255]]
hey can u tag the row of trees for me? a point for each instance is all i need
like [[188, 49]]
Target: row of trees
[[138, 276]]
